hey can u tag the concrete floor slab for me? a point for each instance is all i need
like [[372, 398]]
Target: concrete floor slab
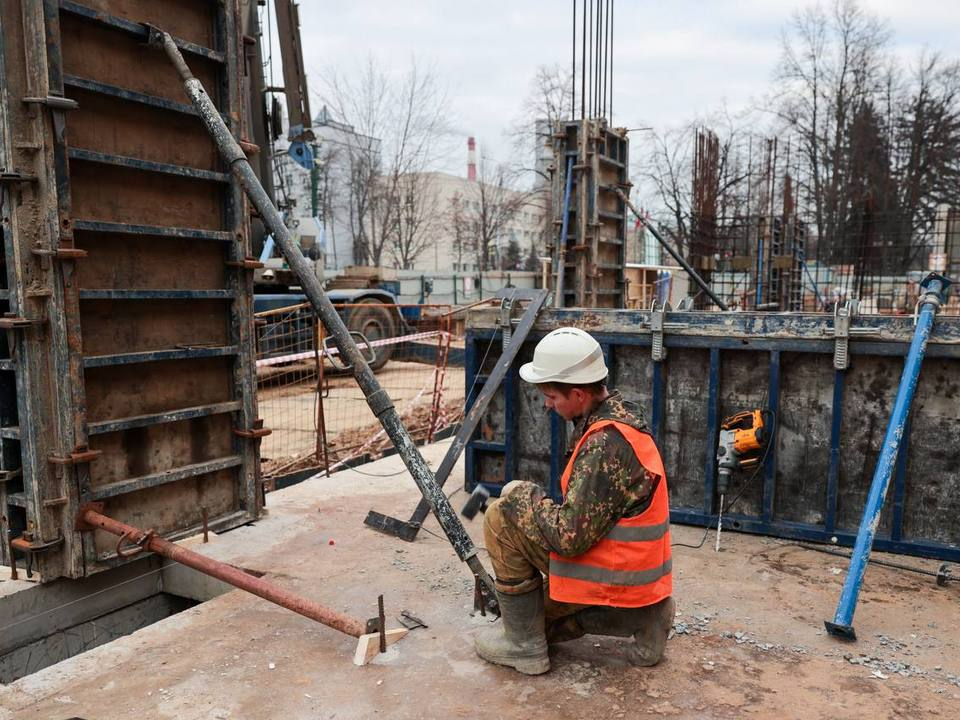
[[749, 642]]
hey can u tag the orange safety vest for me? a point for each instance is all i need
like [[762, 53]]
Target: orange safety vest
[[631, 566]]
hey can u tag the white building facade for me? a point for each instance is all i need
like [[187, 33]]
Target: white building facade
[[324, 194]]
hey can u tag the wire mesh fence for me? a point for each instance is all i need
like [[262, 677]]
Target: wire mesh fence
[[319, 416], [778, 264]]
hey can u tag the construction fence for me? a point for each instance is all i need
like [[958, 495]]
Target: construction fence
[[777, 264], [319, 416]]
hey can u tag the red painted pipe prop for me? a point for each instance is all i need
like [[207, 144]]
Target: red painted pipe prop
[[91, 519]]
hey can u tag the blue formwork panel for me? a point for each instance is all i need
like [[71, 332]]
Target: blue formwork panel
[[830, 423]]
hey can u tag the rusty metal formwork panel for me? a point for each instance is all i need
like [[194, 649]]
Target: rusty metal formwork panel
[[126, 370], [593, 253]]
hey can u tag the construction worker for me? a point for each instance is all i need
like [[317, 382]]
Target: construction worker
[[605, 548]]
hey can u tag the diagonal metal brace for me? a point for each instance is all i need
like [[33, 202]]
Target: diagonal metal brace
[[408, 529]]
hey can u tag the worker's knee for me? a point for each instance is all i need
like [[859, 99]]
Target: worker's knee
[[493, 521]]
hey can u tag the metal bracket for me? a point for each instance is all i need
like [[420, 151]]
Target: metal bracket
[[658, 326], [257, 432], [16, 177], [407, 529], [12, 322], [61, 253], [931, 295], [248, 263], [54, 102], [8, 475], [80, 455], [136, 547], [26, 543]]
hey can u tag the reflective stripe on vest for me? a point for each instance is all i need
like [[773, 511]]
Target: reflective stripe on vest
[[631, 566]]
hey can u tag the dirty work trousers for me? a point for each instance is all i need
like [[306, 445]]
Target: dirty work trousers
[[518, 561], [516, 558]]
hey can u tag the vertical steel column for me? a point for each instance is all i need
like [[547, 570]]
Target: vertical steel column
[[564, 228], [713, 428], [833, 473], [770, 469], [656, 420], [934, 294], [64, 320], [239, 268]]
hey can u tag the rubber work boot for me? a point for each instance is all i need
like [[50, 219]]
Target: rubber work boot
[[519, 641], [649, 626], [564, 629]]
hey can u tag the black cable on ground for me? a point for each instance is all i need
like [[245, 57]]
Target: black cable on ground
[[872, 561]]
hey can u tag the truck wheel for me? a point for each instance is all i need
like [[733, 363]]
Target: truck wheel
[[376, 322]]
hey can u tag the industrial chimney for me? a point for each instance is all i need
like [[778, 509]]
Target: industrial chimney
[[471, 159]]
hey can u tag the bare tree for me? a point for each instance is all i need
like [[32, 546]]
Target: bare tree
[[926, 142], [487, 210], [548, 102], [418, 219], [667, 168], [831, 64], [400, 129]]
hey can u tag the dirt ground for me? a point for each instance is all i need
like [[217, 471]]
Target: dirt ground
[[291, 410], [749, 638]]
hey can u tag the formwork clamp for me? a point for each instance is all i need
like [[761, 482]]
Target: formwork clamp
[[510, 299], [30, 547], [843, 331], [505, 321], [658, 326]]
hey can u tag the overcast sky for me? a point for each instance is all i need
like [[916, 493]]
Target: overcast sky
[[673, 61]]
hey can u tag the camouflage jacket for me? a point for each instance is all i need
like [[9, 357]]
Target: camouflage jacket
[[607, 482]]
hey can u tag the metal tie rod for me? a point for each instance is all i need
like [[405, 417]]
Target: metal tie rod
[[673, 253], [934, 289], [377, 398]]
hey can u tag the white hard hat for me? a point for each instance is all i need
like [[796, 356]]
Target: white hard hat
[[566, 355]]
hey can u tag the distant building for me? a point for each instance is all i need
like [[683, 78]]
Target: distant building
[[458, 203]]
